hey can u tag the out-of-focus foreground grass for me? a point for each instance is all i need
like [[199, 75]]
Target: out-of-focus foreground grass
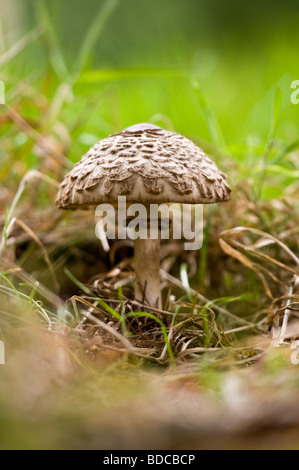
[[221, 75]]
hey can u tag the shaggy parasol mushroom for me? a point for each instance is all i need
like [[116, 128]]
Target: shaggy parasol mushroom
[[148, 165]]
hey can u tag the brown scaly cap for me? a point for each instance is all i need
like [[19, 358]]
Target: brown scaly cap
[[146, 164]]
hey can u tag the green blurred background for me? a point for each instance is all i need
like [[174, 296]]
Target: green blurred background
[[238, 52]]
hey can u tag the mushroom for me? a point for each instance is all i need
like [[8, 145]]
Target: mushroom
[[147, 164]]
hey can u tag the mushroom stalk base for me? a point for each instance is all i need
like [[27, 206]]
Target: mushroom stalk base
[[147, 272]]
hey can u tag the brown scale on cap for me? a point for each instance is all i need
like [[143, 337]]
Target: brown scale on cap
[[146, 164]]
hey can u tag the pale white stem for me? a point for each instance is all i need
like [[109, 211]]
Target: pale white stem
[[147, 272]]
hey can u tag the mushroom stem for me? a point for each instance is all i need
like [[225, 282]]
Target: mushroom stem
[[147, 271]]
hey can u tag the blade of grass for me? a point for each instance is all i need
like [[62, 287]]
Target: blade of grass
[[103, 304], [20, 45], [55, 51], [212, 124], [10, 211], [288, 149], [102, 17], [163, 329], [11, 291], [78, 283], [176, 282], [115, 314], [274, 119], [10, 284], [275, 115]]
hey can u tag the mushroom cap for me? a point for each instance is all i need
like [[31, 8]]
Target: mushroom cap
[[146, 164]]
